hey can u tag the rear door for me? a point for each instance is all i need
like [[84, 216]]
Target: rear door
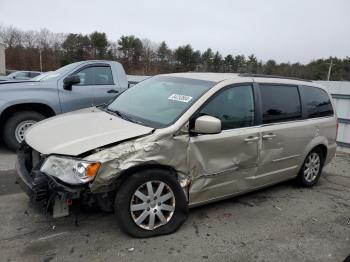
[[284, 134], [222, 163]]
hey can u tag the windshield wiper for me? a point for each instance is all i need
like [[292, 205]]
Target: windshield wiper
[[123, 116]]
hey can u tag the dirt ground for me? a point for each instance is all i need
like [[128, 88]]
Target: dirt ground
[[280, 223]]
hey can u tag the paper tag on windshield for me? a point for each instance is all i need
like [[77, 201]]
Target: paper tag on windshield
[[180, 98]]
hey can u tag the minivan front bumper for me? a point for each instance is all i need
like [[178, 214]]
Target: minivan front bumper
[[42, 189]]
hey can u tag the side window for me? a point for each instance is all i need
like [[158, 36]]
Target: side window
[[317, 102], [96, 75], [33, 74], [103, 76], [233, 106], [21, 75], [280, 103]]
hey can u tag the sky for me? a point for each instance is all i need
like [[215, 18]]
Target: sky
[[283, 30]]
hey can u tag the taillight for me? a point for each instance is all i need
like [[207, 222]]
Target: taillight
[[336, 135]]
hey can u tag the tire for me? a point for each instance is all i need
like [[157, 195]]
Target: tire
[[24, 118], [126, 198], [308, 178]]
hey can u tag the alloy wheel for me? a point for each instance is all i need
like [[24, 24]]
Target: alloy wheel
[[312, 167], [152, 205]]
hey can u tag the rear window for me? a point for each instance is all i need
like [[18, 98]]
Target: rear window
[[317, 102], [280, 103]]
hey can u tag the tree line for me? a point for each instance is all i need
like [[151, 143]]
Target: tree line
[[25, 50]]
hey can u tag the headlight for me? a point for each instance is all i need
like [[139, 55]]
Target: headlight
[[69, 170]]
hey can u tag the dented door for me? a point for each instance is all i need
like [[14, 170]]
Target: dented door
[[221, 164]]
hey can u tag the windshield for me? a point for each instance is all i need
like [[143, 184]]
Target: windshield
[[159, 101], [55, 74]]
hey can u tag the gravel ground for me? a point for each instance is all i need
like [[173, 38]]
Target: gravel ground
[[280, 223]]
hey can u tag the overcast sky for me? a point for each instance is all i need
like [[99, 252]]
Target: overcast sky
[[284, 30]]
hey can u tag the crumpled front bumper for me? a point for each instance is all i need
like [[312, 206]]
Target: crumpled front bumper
[[41, 188], [34, 184]]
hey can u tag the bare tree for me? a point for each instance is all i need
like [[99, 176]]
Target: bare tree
[[148, 54]]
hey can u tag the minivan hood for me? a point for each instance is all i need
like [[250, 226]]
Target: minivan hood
[[80, 131]]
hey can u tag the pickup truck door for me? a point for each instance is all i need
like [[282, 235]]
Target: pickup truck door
[[96, 87], [80, 96], [105, 87]]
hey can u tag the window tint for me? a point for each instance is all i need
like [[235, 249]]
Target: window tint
[[96, 75], [33, 74], [280, 103], [234, 107], [317, 102]]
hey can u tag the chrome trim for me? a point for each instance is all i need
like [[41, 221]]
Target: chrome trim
[[271, 173], [297, 121], [284, 158], [220, 172], [277, 123]]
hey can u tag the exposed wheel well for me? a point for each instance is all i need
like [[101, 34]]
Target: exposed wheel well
[[36, 107], [323, 149]]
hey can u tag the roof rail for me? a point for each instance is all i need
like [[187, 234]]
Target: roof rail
[[272, 76]]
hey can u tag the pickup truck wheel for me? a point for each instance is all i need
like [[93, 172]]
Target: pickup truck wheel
[[16, 125], [150, 203]]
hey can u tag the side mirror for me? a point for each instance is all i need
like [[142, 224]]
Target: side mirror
[[207, 125], [70, 80]]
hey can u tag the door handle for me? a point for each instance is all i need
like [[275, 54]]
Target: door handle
[[269, 136], [250, 139], [112, 91]]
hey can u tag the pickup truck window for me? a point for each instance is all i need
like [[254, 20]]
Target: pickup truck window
[[96, 75], [159, 101], [56, 74]]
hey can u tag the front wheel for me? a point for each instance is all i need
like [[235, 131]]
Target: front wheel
[[150, 203], [311, 169], [16, 126]]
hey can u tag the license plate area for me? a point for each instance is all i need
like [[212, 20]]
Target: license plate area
[[60, 208]]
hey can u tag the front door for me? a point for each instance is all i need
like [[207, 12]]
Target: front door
[[105, 87], [81, 95], [222, 163], [96, 87]]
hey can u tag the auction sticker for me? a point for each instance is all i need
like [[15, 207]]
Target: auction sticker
[[180, 98]]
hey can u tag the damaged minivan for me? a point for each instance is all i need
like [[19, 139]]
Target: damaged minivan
[[177, 141]]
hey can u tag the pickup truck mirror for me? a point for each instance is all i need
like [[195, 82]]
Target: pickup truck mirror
[[70, 80]]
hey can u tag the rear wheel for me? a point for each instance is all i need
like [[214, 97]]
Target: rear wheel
[[150, 203], [310, 172], [16, 126]]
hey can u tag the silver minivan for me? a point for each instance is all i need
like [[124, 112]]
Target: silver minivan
[[177, 141]]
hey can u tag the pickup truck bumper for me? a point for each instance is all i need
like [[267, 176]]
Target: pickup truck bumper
[[45, 191]]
